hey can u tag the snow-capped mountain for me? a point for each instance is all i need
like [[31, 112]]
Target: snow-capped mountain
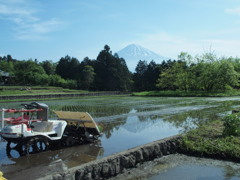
[[133, 53]]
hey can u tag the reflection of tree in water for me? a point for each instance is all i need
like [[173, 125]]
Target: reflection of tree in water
[[230, 172], [143, 118], [109, 126], [94, 110], [111, 107], [152, 118], [183, 120], [194, 118], [146, 108]]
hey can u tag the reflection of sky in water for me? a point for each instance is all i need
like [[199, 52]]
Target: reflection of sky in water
[[135, 132], [128, 122], [195, 171]]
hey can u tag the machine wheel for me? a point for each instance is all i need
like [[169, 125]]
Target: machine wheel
[[41, 144], [33, 145], [69, 141], [11, 150], [88, 138], [11, 145], [25, 147]]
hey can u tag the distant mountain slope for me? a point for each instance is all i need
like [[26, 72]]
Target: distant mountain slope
[[133, 53]]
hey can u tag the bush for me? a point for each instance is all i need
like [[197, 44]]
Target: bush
[[231, 125], [71, 84]]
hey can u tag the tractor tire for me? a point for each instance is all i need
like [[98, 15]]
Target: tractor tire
[[33, 145], [69, 141]]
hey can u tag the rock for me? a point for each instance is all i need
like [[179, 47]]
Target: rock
[[96, 171], [124, 161], [139, 156], [105, 169], [132, 161], [79, 174], [145, 154]]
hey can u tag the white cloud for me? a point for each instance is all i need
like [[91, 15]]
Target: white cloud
[[27, 24], [166, 44], [4, 9], [13, 11], [170, 45], [235, 11], [37, 30]]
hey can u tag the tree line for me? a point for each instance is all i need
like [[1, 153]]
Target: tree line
[[109, 72]]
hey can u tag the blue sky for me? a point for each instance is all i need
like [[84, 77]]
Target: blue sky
[[51, 29]]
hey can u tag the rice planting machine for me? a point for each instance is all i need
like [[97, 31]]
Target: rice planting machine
[[31, 131]]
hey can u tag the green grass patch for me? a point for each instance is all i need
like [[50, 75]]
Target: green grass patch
[[36, 90], [208, 140], [32, 87], [179, 93]]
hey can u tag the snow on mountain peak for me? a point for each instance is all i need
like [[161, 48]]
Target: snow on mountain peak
[[135, 50], [133, 53]]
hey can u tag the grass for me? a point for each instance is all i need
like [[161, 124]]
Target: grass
[[208, 141], [23, 87], [179, 93], [36, 90], [39, 90]]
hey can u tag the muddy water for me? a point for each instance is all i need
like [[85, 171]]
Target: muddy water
[[183, 167], [126, 121]]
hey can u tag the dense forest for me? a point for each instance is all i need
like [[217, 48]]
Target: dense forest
[[108, 72]]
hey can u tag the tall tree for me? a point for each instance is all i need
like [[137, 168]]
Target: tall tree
[[67, 68], [88, 76], [49, 66], [152, 74], [140, 76], [111, 72]]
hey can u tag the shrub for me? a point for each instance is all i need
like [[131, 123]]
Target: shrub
[[231, 125], [71, 84]]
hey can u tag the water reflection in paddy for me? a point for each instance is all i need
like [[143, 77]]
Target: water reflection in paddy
[[127, 122], [182, 167]]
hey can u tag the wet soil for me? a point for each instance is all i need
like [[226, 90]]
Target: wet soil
[[182, 167]]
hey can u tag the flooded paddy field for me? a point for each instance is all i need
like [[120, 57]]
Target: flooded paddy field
[[126, 121]]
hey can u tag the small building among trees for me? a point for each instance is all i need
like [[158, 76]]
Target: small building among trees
[[6, 78]]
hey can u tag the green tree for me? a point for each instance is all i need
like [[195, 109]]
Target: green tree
[[167, 79], [111, 72], [226, 75], [139, 76], [152, 74], [49, 66], [208, 74], [183, 76], [185, 57], [7, 66], [56, 80], [29, 73], [88, 76], [67, 68]]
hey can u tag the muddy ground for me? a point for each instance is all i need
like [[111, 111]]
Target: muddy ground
[[178, 166]]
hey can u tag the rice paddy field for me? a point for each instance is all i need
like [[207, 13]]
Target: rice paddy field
[[126, 122]]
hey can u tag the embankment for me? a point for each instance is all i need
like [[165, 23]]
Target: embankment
[[47, 96], [115, 164]]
